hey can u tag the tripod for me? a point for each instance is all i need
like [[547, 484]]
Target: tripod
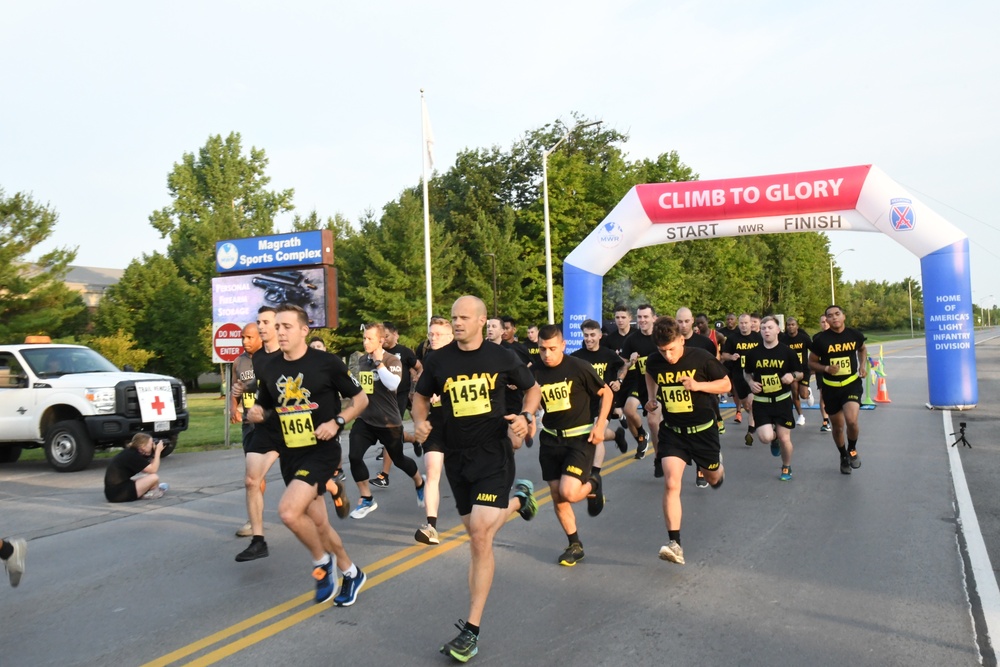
[[961, 436]]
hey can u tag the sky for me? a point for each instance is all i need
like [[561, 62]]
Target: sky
[[103, 98]]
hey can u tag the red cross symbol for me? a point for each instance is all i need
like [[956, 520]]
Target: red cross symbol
[[158, 405]]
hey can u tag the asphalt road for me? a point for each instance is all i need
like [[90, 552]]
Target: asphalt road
[[827, 569]]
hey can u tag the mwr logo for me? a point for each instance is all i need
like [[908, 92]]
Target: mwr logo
[[901, 214], [227, 256], [610, 234]]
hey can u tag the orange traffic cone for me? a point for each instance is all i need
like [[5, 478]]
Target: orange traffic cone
[[882, 396]]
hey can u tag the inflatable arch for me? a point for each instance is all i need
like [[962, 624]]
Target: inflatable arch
[[861, 198]]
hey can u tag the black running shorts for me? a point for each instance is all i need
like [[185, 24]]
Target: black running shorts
[[565, 456], [834, 398], [779, 414], [313, 465], [480, 475], [702, 448]]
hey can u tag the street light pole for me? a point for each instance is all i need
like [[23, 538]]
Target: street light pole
[[833, 295], [545, 209], [909, 293], [493, 256]]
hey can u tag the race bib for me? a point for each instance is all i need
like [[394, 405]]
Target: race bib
[[676, 399], [770, 383], [249, 400], [367, 381], [641, 365], [556, 396], [297, 429], [470, 397], [841, 364]]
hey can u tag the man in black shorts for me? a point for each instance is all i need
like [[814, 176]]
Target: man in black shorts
[[738, 344], [260, 446], [300, 392], [606, 364], [570, 433], [683, 383], [798, 341], [685, 322], [472, 377], [411, 371], [439, 334], [772, 371], [635, 350], [838, 355], [614, 340]]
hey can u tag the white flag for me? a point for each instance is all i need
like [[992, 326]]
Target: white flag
[[428, 133]]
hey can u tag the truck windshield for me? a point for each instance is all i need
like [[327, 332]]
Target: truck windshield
[[49, 362]]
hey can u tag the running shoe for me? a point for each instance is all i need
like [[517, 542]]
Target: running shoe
[[657, 467], [825, 428], [811, 400], [595, 501], [775, 448], [418, 449], [164, 487], [15, 564], [845, 465], [748, 439], [801, 421], [854, 459], [642, 444], [525, 490], [463, 647], [786, 474], [349, 589], [253, 552], [572, 555], [722, 427], [380, 455], [427, 534], [739, 417], [529, 442], [364, 507], [153, 494], [339, 476], [621, 441], [341, 503], [700, 480], [246, 530], [380, 482], [323, 574], [420, 492], [672, 552]]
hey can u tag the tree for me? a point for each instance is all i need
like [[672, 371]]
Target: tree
[[120, 350], [33, 298]]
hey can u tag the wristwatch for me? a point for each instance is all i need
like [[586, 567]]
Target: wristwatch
[[376, 362], [528, 417], [340, 421]]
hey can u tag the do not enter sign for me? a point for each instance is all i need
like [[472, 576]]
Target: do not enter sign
[[228, 343]]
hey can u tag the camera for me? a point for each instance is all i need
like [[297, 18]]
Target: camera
[[961, 424]]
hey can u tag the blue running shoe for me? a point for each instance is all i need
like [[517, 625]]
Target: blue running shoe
[[775, 448], [786, 474], [324, 581], [525, 490], [420, 493], [349, 589]]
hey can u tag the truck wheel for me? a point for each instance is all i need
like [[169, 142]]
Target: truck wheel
[[68, 447], [10, 454], [169, 444]]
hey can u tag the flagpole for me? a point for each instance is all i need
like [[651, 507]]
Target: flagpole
[[425, 156]]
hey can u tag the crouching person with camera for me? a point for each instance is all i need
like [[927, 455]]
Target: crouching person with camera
[[140, 456]]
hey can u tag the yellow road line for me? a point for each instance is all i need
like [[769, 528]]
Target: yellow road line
[[394, 565]]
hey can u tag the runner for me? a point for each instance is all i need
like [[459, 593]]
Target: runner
[[515, 397], [825, 428], [635, 350], [471, 378], [683, 383], [439, 334], [494, 330], [737, 345], [300, 391], [716, 336], [260, 448], [379, 374], [606, 364], [570, 433], [735, 372], [615, 341], [772, 371], [799, 341], [404, 392], [12, 553], [840, 355], [532, 344], [685, 322]]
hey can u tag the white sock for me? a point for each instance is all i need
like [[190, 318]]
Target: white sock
[[352, 571], [322, 561]]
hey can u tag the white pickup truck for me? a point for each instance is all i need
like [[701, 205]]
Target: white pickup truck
[[71, 400]]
